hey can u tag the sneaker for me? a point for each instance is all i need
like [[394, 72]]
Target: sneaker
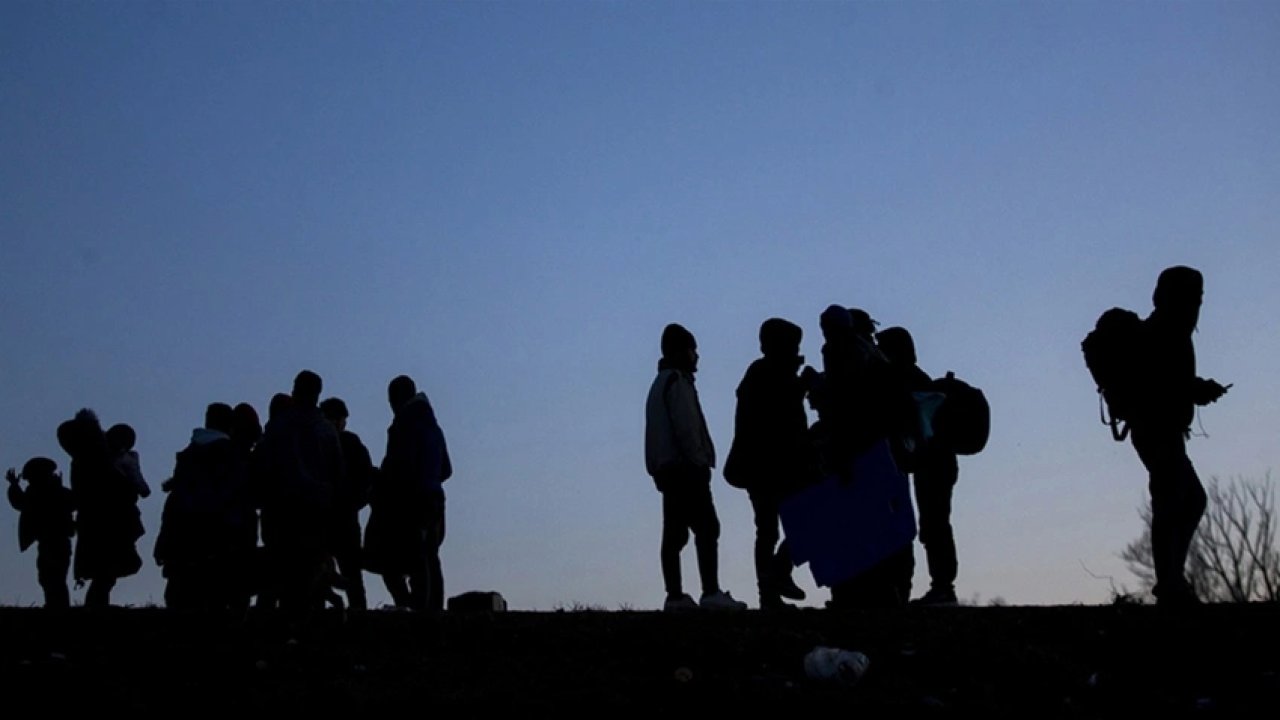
[[679, 603], [773, 602], [721, 600], [788, 589], [937, 598], [1176, 596]]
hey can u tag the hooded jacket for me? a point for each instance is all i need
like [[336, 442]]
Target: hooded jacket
[[675, 431], [46, 509], [417, 460], [770, 439]]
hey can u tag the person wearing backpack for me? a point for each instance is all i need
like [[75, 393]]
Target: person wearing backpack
[[1160, 423], [934, 472], [679, 456], [770, 456]]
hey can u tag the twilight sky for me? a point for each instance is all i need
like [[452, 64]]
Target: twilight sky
[[508, 200]]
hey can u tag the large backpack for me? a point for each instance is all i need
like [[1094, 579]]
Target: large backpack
[[1112, 352], [962, 422]]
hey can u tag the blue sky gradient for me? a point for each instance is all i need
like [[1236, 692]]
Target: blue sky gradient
[[508, 201]]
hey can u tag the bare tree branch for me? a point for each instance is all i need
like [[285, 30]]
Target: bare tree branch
[[1233, 555]]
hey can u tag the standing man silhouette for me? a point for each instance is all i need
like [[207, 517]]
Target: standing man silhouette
[[1161, 423], [679, 456]]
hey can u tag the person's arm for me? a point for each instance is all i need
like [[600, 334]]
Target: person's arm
[[17, 498], [1205, 391], [685, 417]]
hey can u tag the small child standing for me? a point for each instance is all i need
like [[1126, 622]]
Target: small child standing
[[45, 510]]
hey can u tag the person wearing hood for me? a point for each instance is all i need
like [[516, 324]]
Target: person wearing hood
[[108, 523], [298, 466], [407, 517], [45, 520], [934, 471], [351, 497], [679, 457], [1161, 423], [771, 457], [193, 546]]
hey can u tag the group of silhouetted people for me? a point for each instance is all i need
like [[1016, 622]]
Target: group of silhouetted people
[[271, 513], [871, 390], [867, 392]]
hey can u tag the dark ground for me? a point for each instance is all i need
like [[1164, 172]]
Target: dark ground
[[1123, 660]]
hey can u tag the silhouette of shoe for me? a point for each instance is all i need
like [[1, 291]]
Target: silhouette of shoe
[[721, 600], [788, 589], [937, 598], [1176, 596], [775, 603], [679, 603]]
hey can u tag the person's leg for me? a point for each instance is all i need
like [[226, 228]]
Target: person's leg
[[935, 481], [99, 593], [706, 533], [764, 508], [435, 573], [347, 555], [675, 535], [1177, 504], [398, 589], [53, 559]]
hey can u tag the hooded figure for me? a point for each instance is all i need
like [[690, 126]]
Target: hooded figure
[[1161, 422], [45, 520], [108, 523], [407, 522], [771, 456], [195, 541], [679, 456]]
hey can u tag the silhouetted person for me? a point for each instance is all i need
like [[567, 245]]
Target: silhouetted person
[[272, 519], [45, 519], [770, 456], [120, 441], [1161, 423], [857, 403], [842, 394], [935, 471], [240, 574], [108, 523], [299, 467], [407, 520], [679, 456], [194, 546], [351, 496]]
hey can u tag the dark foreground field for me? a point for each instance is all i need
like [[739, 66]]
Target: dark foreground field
[[1072, 661]]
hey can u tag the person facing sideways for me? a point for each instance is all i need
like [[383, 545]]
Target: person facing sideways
[[108, 523], [679, 457], [303, 465], [45, 520], [934, 471], [1161, 423], [770, 457], [406, 520], [240, 578], [350, 497]]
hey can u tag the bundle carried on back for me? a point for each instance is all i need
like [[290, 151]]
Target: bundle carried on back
[[1113, 352], [962, 422]]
